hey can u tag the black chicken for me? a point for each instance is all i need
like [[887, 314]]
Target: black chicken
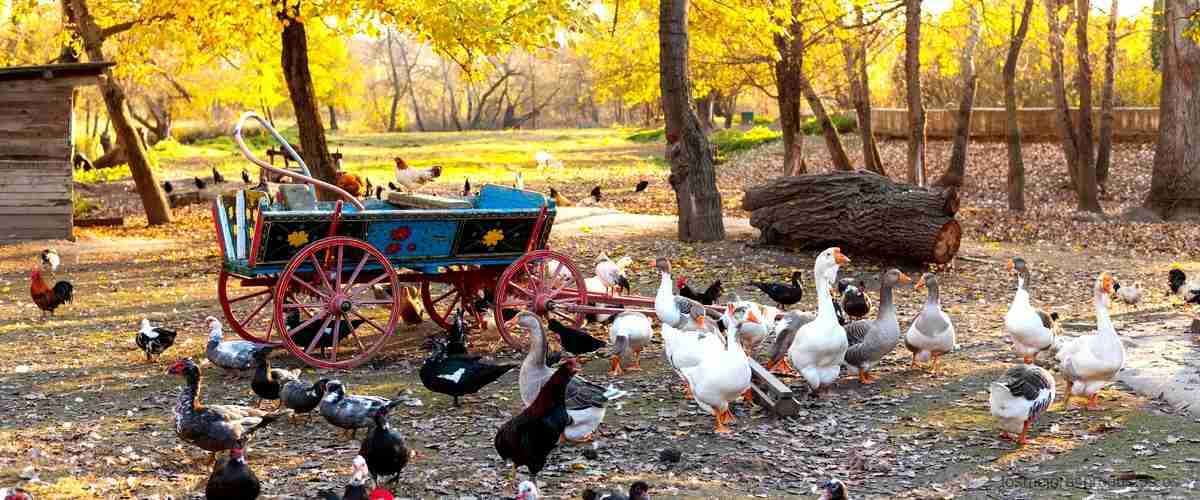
[[575, 341], [199, 183], [641, 186], [596, 194], [708, 298], [466, 187], [637, 491], [167, 187], [300, 397], [304, 337], [267, 381], [245, 177], [1180, 286], [232, 479], [528, 438], [384, 449], [854, 298], [784, 295], [453, 371], [378, 192], [217, 177], [154, 340]]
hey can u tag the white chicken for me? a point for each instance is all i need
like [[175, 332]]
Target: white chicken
[[613, 273], [413, 178]]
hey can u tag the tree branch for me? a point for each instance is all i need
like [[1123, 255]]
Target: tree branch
[[119, 28]]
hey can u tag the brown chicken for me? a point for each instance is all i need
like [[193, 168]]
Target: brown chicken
[[48, 299], [350, 182], [528, 438], [410, 306]]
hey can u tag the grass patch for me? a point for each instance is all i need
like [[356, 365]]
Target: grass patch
[[99, 175], [843, 123], [647, 135]]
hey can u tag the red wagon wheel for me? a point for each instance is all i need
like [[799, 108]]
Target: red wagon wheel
[[328, 290], [248, 307], [543, 282], [442, 298]]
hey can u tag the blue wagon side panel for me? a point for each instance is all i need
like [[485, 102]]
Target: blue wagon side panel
[[412, 239], [282, 239]]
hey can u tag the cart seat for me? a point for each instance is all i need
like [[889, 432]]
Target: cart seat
[[415, 200]]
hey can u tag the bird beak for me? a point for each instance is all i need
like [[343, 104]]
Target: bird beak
[[839, 257], [904, 279], [1011, 265], [751, 318], [700, 321], [920, 283], [1108, 284]]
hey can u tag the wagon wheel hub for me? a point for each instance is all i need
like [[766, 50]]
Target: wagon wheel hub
[[341, 304]]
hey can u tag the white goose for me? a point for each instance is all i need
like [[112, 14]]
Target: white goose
[[680, 312], [630, 333], [720, 378], [1019, 397], [820, 345], [1090, 362], [1032, 330], [685, 349], [932, 334]]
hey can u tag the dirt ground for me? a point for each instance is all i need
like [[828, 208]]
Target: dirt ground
[[87, 418]]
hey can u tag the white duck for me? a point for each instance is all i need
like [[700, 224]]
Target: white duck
[[1019, 397], [720, 378], [630, 333], [932, 333], [1032, 330], [585, 400], [680, 312], [820, 346], [1090, 362]]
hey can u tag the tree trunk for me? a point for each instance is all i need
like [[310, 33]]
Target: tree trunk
[[956, 172], [1066, 128], [1016, 165], [855, 55], [788, 95], [912, 84], [333, 123], [1107, 98], [833, 142], [1089, 197], [730, 109], [692, 172], [154, 201], [294, 59], [891, 220], [704, 111], [1175, 182], [394, 79]]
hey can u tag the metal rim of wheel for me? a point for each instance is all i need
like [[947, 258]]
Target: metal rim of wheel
[[529, 284], [255, 315], [331, 296]]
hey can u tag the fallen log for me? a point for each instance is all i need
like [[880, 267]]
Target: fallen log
[[862, 212]]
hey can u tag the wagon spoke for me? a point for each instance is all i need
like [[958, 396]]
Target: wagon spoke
[[317, 305], [523, 291], [250, 296], [336, 327], [513, 305], [354, 275], [554, 293], [321, 332], [563, 315], [257, 310], [369, 321], [373, 302], [309, 286], [368, 285], [354, 333], [320, 271], [444, 295], [542, 272], [338, 277]]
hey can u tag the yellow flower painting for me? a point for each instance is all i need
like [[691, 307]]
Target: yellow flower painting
[[298, 238], [493, 237]]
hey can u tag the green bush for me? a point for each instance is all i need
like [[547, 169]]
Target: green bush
[[763, 120], [648, 135], [100, 175], [843, 123], [732, 140], [83, 206]]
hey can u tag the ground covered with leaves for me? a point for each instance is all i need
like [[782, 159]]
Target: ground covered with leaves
[[86, 417]]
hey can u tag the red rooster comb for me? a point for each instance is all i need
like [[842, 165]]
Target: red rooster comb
[[381, 494]]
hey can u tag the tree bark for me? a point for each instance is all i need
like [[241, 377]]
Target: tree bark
[[788, 94], [1089, 197], [333, 122], [1066, 128], [704, 111], [1016, 165], [730, 108], [394, 79], [1107, 98], [692, 172], [294, 60], [1175, 181], [956, 172], [154, 201], [855, 55], [833, 142], [912, 84], [891, 221]]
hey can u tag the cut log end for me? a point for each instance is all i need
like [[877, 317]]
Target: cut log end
[[946, 243]]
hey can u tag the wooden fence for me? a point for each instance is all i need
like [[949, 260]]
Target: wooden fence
[[1037, 124]]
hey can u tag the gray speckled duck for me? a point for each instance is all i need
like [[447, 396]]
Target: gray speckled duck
[[236, 355], [871, 340]]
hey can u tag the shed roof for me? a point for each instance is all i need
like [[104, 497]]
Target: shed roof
[[52, 71]]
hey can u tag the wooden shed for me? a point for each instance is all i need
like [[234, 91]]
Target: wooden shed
[[36, 148]]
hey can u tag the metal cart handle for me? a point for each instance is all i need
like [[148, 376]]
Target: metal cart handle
[[306, 177]]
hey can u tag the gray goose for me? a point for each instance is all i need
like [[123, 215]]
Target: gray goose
[[871, 340]]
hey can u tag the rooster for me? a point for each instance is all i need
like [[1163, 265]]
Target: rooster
[[596, 194], [349, 182], [466, 187], [48, 299], [559, 199], [413, 178], [528, 438], [641, 186]]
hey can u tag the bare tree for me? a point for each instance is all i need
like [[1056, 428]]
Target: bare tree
[[1016, 166], [855, 54], [693, 176], [912, 84], [294, 60], [1066, 128], [1086, 185], [833, 142], [1107, 98], [787, 72], [956, 172], [1175, 182]]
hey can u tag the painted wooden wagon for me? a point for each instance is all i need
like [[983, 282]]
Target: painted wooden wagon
[[318, 277]]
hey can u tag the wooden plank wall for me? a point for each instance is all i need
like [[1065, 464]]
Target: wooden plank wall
[[35, 159]]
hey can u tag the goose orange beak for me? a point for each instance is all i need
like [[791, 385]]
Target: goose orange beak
[[920, 283], [904, 279], [1011, 265], [700, 321], [751, 318], [839, 257], [1107, 283]]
